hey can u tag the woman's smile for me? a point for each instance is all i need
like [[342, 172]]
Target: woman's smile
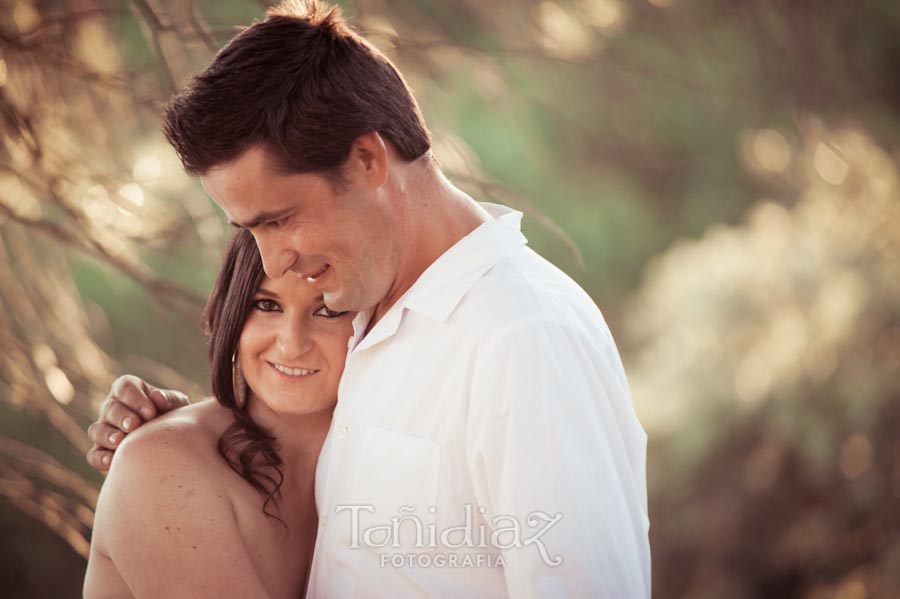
[[292, 373]]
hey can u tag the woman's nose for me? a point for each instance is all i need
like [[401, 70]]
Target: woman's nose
[[293, 342]]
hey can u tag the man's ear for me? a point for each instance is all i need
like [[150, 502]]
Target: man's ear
[[369, 159]]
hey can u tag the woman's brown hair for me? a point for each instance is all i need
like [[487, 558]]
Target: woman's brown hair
[[301, 84], [247, 447]]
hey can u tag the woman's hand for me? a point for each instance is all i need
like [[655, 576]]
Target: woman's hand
[[130, 403]]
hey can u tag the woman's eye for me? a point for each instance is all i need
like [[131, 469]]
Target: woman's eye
[[266, 305], [324, 311]]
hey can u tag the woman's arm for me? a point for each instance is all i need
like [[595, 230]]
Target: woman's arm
[[167, 524]]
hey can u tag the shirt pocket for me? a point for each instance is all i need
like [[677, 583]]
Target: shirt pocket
[[397, 475]]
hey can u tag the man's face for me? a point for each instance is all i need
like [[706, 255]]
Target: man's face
[[339, 240]]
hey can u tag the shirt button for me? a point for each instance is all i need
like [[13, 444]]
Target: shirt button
[[323, 521], [345, 430]]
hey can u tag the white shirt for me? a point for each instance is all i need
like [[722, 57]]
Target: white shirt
[[490, 399]]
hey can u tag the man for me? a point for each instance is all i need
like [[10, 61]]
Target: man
[[484, 443]]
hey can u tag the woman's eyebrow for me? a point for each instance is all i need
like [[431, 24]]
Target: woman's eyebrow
[[264, 291]]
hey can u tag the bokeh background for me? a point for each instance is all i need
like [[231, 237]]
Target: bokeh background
[[721, 176]]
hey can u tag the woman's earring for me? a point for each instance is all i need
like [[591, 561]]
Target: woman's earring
[[240, 384]]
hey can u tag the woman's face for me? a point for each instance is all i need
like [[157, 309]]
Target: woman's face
[[292, 348]]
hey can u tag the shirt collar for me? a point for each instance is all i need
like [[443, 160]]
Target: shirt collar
[[438, 291], [442, 286]]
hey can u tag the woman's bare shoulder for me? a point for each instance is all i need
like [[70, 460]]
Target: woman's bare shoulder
[[184, 437], [167, 469], [165, 459], [166, 506]]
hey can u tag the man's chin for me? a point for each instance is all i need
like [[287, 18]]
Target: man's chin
[[334, 301], [342, 302]]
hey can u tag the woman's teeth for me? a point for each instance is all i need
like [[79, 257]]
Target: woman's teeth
[[293, 371]]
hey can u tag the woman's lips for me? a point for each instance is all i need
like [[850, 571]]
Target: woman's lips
[[293, 373]]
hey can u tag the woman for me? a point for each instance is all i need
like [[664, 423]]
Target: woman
[[220, 494]]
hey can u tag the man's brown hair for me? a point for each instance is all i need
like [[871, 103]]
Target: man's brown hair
[[303, 85]]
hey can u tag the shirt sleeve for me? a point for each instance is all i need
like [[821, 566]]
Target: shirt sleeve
[[555, 449]]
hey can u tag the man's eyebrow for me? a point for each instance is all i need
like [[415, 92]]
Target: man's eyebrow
[[263, 217]]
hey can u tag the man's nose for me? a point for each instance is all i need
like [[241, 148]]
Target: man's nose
[[276, 258]]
